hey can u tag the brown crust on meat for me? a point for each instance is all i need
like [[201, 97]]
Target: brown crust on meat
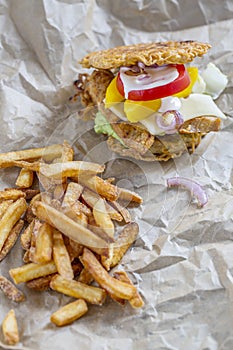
[[160, 53]]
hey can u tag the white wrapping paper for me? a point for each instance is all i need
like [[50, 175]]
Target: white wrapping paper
[[182, 262]]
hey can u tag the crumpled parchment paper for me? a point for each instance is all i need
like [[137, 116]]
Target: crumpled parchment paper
[[182, 262]]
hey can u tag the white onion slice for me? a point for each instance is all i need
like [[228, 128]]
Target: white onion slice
[[169, 121], [195, 189]]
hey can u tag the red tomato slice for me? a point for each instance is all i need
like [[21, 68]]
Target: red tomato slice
[[179, 84]]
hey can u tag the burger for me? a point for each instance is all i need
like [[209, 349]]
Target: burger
[[149, 100]]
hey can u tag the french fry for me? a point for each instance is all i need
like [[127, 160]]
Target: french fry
[[31, 271], [69, 313], [100, 186], [59, 191], [102, 217], [91, 198], [120, 246], [44, 244], [61, 256], [67, 153], [35, 232], [25, 178], [11, 239], [113, 286], [29, 216], [9, 219], [129, 196], [10, 290], [40, 284], [136, 302], [74, 249], [26, 257], [93, 295], [11, 193], [30, 193], [85, 276], [10, 328], [47, 153], [73, 193], [31, 166], [70, 169], [123, 211], [69, 227], [26, 236], [4, 205]]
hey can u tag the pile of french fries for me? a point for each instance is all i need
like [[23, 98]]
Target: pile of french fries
[[67, 231]]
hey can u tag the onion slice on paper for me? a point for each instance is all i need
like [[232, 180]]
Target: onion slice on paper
[[195, 189]]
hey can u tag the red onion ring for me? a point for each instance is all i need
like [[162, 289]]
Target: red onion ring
[[195, 189], [172, 127]]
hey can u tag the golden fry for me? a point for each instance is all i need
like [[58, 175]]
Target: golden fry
[[69, 313], [100, 186], [122, 244], [47, 153], [41, 283], [44, 244], [136, 302], [4, 205], [129, 196], [93, 295], [25, 178], [10, 328], [67, 153], [91, 198], [123, 211], [114, 287], [10, 290], [102, 217], [59, 190], [11, 193], [85, 276], [9, 219], [69, 227], [31, 271], [73, 193], [11, 239], [70, 169], [25, 238], [61, 256]]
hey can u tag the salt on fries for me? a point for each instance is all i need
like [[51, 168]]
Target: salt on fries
[[70, 238]]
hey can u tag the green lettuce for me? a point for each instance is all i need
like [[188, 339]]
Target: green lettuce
[[102, 126]]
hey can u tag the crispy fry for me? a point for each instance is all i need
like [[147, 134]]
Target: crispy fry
[[129, 196], [11, 193], [29, 216], [31, 271], [35, 232], [40, 284], [100, 186], [9, 219], [123, 211], [10, 290], [31, 166], [91, 198], [47, 153], [10, 328], [93, 295], [69, 227], [114, 287], [11, 239], [67, 152], [136, 302], [25, 178], [74, 249], [25, 238], [70, 169], [26, 257], [73, 193], [122, 244], [102, 217], [44, 244], [61, 256], [30, 193], [59, 191], [85, 276], [4, 205], [69, 313]]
